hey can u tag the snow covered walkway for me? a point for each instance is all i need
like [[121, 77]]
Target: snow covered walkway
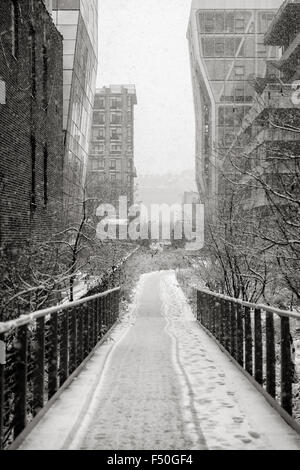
[[161, 383]]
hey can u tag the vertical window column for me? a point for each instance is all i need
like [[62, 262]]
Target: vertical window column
[[45, 78], [33, 62], [14, 28]]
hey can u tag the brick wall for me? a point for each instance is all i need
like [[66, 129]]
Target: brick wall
[[31, 138]]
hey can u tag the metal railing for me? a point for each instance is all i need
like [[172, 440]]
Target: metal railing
[[258, 337], [39, 351]]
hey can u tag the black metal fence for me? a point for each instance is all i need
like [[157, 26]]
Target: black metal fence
[[258, 337], [38, 352]]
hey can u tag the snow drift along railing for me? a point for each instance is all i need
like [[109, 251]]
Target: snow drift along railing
[[258, 337], [38, 352]]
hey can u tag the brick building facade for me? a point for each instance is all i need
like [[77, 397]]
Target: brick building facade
[[31, 123]]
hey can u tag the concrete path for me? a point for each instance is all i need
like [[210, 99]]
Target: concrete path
[[161, 383]]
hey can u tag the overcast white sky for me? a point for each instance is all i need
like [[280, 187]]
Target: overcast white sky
[[144, 42]]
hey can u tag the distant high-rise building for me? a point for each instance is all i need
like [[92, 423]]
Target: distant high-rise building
[[227, 54], [77, 20], [111, 162]]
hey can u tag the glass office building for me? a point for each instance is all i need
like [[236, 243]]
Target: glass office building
[[228, 57], [77, 20]]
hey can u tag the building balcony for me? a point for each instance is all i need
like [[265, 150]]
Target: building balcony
[[271, 135], [284, 22], [288, 63], [275, 96]]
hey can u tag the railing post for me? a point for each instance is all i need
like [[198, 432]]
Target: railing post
[[96, 324], [64, 348], [222, 324], [100, 318], [199, 319], [286, 367], [110, 310], [206, 310], [73, 341], [216, 320], [21, 380], [80, 341], [92, 325], [213, 315], [86, 330], [2, 388], [270, 354], [258, 349], [118, 299], [233, 329], [39, 375], [53, 356], [240, 335], [248, 342], [226, 325], [213, 307]]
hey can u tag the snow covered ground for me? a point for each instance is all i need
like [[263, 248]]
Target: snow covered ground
[[160, 382]]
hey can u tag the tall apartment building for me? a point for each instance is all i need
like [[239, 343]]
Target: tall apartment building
[[31, 115], [111, 162], [77, 20], [269, 135], [226, 42]]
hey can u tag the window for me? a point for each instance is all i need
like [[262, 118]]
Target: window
[[99, 102], [219, 48], [113, 177], [219, 17], [97, 164], [98, 133], [239, 25], [97, 148], [116, 103], [239, 71], [113, 164], [239, 94], [229, 22], [209, 23], [116, 133], [115, 148], [129, 133], [129, 165], [45, 78], [129, 179], [98, 118], [208, 47], [14, 28], [229, 47], [116, 118], [261, 50], [45, 168]]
